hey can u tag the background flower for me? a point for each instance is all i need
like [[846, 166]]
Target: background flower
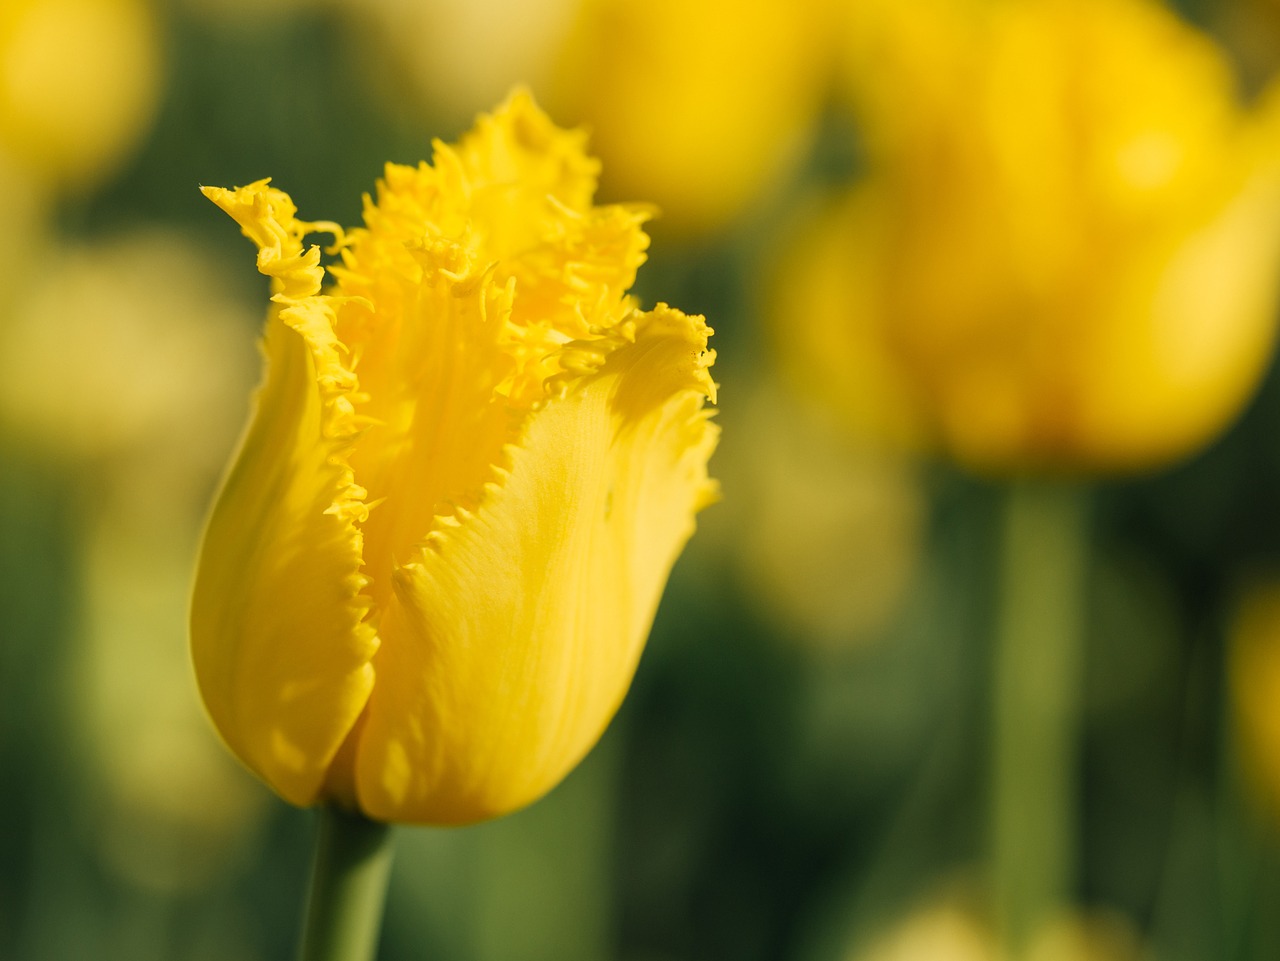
[[1021, 288], [702, 113], [79, 85]]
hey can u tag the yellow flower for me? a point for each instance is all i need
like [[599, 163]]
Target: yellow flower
[[825, 530], [1065, 253], [948, 928], [699, 110], [79, 85], [430, 573], [447, 59], [1255, 689]]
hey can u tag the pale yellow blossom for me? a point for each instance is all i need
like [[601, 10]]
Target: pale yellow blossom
[[79, 85], [1064, 253]]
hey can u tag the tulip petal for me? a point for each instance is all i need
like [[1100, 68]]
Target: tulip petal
[[281, 646], [1190, 328], [514, 630], [455, 298]]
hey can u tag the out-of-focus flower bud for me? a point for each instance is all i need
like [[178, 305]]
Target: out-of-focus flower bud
[[695, 106], [1065, 252], [79, 84]]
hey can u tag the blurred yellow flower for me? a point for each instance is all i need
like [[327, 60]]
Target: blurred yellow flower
[[1091, 935], [825, 530], [430, 573], [103, 359], [125, 365], [79, 84], [26, 215], [1255, 688], [1065, 252], [940, 932], [694, 108], [949, 930], [455, 57]]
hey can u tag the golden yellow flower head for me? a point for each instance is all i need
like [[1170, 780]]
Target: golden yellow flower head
[[79, 85], [431, 570], [951, 929], [1255, 689], [698, 109], [1065, 253]]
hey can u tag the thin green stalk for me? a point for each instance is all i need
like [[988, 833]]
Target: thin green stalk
[[348, 888], [1038, 666]]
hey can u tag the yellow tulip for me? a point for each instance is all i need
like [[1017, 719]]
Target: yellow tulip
[[1065, 252], [79, 86], [698, 108], [1255, 687], [950, 928], [430, 572], [447, 59]]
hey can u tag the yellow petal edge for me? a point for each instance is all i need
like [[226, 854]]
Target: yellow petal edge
[[430, 572]]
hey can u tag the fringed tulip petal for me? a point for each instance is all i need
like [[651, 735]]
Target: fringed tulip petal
[[278, 633], [516, 629]]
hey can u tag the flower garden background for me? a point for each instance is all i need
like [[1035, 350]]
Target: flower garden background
[[994, 291]]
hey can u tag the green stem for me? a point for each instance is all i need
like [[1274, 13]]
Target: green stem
[[1038, 665], [348, 888]]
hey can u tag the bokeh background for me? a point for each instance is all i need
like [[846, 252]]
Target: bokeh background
[[964, 259]]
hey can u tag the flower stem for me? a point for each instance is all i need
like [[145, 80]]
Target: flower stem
[[1038, 665], [348, 888]]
